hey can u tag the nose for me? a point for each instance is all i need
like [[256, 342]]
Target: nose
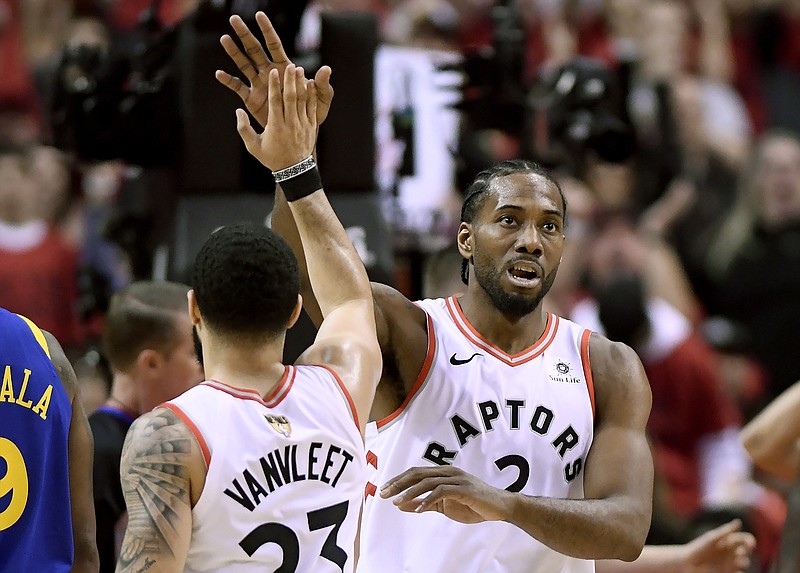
[[529, 240]]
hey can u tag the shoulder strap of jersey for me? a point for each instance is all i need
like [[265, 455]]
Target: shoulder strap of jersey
[[38, 334]]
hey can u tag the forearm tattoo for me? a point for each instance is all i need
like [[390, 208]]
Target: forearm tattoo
[[155, 481]]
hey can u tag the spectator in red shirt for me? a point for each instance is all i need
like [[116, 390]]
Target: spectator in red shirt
[[38, 270]]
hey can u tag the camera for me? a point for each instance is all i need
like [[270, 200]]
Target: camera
[[582, 113], [560, 117], [137, 101]]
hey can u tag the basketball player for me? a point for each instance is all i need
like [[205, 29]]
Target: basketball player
[[504, 438], [262, 467], [46, 516], [147, 338]]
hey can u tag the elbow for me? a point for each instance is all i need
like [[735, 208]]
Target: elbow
[[761, 451], [751, 440], [632, 537], [630, 551]]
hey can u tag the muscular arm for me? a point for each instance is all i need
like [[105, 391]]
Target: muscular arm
[[80, 467], [158, 459], [283, 224], [346, 340], [771, 438], [612, 521]]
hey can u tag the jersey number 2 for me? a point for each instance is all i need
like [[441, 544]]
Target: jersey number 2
[[286, 539], [14, 482]]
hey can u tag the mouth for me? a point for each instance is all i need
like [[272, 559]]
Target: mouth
[[524, 274]]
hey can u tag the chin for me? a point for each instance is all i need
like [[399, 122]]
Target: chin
[[514, 304]]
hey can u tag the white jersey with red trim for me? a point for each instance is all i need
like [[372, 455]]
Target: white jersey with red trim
[[285, 479], [520, 422]]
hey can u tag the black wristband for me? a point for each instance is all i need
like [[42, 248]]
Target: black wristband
[[302, 185]]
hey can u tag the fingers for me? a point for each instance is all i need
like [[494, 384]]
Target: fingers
[[242, 61], [273, 42], [311, 103], [323, 78], [741, 559], [251, 45], [323, 83], [233, 83], [742, 541], [719, 533], [289, 95], [412, 476], [302, 94], [424, 486], [275, 97], [246, 131], [437, 497]]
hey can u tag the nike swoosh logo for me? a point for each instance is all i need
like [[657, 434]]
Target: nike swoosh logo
[[456, 362]]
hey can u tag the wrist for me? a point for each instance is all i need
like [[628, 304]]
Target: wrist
[[511, 505], [299, 180], [294, 170]]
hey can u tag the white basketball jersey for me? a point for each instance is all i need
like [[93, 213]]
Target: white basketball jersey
[[520, 422], [286, 474]]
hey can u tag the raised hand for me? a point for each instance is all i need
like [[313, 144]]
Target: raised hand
[[256, 66], [291, 129], [458, 495]]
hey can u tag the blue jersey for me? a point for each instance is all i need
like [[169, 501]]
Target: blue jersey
[[35, 413]]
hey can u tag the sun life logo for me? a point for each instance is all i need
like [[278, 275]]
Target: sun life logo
[[561, 374]]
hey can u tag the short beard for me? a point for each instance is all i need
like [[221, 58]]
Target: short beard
[[511, 305], [198, 346]]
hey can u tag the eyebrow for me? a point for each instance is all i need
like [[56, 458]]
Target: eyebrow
[[509, 207], [555, 212]]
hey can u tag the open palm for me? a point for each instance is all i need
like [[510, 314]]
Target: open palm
[[255, 65]]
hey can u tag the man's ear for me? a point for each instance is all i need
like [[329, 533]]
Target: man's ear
[[298, 308], [194, 310], [464, 240], [149, 360]]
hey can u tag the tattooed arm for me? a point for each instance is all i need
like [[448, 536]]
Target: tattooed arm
[[160, 481]]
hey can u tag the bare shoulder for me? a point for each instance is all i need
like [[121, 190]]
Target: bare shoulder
[[159, 433], [403, 336], [342, 353], [158, 440], [618, 375], [158, 460], [395, 306], [160, 447], [62, 365]]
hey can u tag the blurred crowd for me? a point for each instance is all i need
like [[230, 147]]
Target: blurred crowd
[[688, 250]]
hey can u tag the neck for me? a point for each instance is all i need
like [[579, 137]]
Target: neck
[[124, 395], [257, 367], [512, 334]]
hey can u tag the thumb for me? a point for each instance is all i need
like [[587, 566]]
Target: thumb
[[246, 131], [323, 82], [323, 77]]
